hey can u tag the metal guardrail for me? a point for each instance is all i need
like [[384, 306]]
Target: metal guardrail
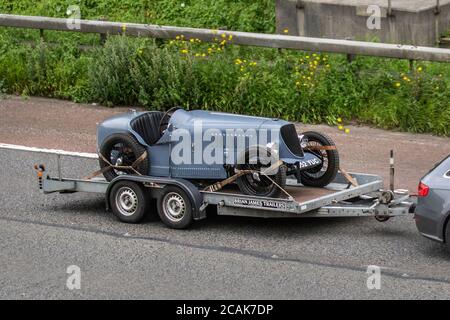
[[348, 47]]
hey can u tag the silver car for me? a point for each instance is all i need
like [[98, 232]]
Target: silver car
[[432, 213]]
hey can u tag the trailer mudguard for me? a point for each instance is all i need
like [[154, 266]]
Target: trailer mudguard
[[187, 186]]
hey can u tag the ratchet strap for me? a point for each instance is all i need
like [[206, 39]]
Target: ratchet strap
[[112, 166], [326, 148], [349, 178], [219, 185]]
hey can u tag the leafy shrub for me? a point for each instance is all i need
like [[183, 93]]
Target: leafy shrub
[[309, 87]]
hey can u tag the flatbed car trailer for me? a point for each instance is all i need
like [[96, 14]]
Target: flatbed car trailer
[[342, 198]]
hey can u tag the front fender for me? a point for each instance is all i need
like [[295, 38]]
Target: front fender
[[118, 124]]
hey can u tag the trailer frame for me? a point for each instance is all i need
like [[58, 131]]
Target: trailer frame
[[367, 199]]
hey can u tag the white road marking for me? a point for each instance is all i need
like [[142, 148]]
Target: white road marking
[[49, 151]]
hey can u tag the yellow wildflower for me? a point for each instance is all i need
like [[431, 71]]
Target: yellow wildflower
[[339, 120], [419, 69], [347, 130], [341, 127], [184, 51], [398, 84], [286, 30], [223, 35]]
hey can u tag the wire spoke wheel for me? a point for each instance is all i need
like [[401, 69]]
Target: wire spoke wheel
[[319, 171], [256, 183], [122, 155], [121, 150], [323, 174]]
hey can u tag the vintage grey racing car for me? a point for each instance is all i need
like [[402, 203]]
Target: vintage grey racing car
[[208, 147]]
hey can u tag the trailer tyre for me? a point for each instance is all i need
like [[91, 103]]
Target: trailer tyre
[[175, 208], [128, 201], [323, 175]]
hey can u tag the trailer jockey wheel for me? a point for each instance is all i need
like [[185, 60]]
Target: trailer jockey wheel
[[128, 201], [175, 208], [382, 218], [385, 198]]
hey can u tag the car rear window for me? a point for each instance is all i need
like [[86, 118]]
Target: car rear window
[[437, 165]]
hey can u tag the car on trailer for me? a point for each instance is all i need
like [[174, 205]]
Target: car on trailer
[[149, 139]]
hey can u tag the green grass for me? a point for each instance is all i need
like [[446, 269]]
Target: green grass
[[243, 15], [309, 87]]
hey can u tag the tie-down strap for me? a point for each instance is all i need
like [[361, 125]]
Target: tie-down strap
[[112, 166]]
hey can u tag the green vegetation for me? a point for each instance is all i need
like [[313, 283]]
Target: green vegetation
[[309, 87], [243, 15]]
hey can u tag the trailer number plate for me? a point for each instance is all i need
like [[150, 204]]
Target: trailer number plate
[[254, 203]]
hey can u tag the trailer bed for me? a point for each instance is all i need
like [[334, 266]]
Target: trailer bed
[[338, 199]]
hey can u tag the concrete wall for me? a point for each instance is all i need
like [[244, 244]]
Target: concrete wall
[[339, 21]]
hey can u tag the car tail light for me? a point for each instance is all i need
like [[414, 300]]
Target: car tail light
[[423, 190]]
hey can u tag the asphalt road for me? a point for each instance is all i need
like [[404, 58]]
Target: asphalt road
[[220, 257]]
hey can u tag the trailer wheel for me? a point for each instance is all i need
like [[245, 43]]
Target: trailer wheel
[[175, 208], [128, 201]]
